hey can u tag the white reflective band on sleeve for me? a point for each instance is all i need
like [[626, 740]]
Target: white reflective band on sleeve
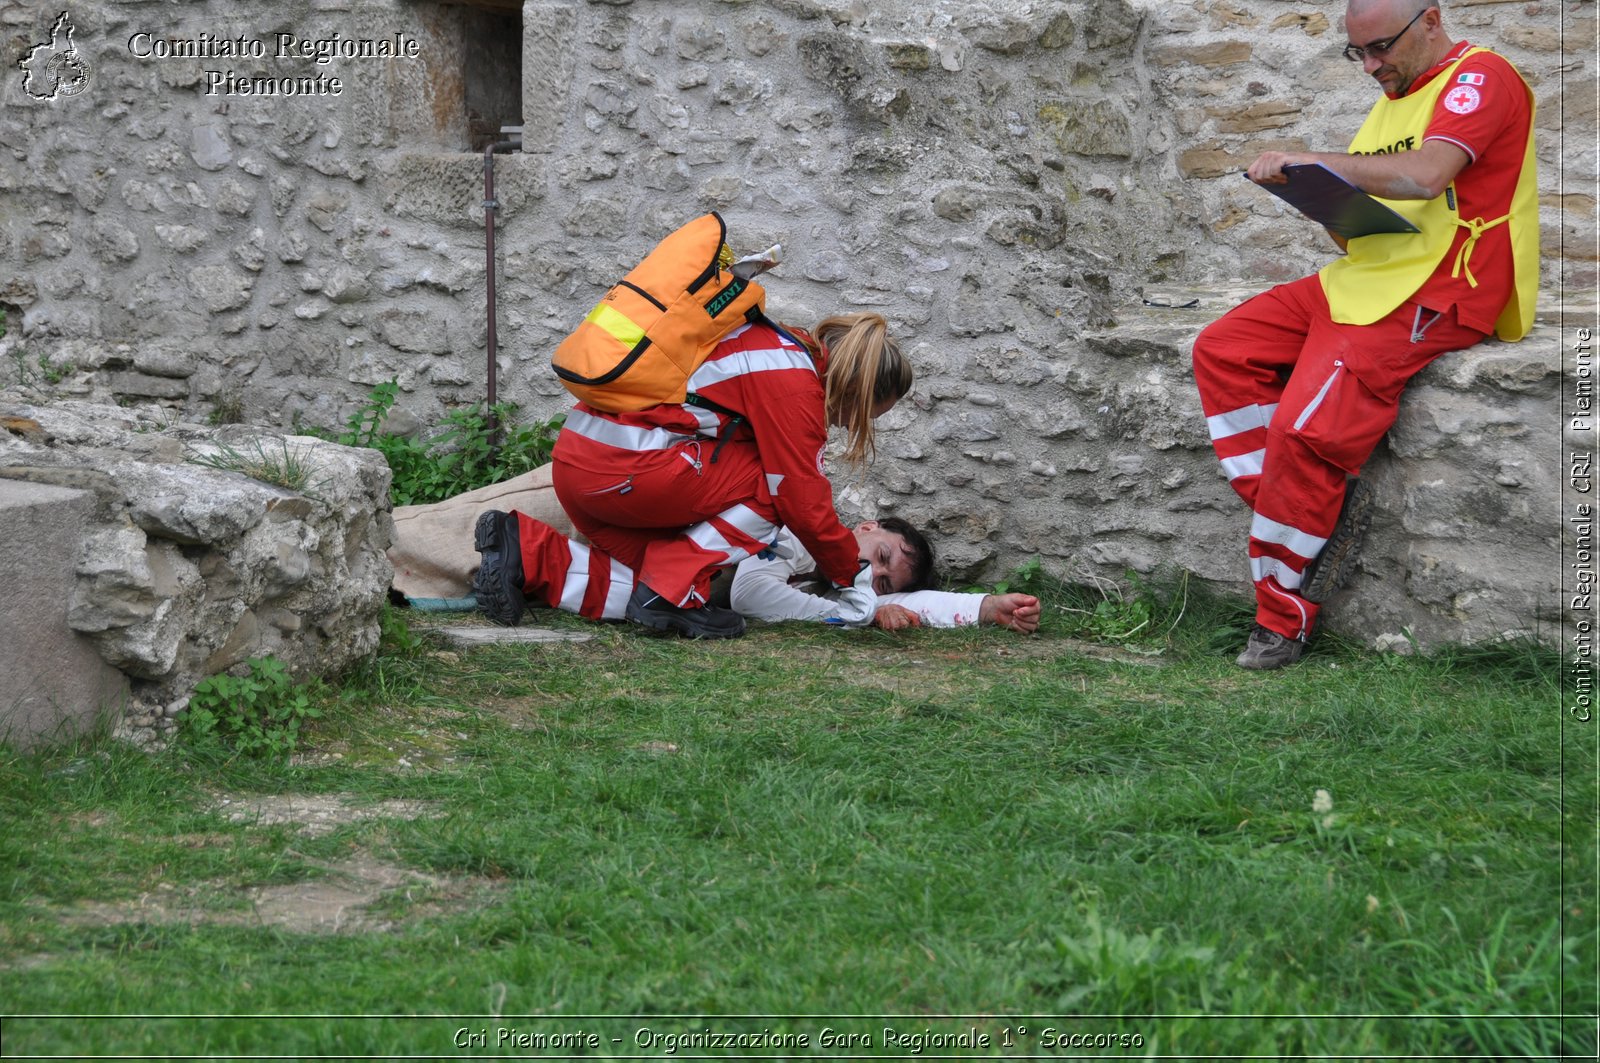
[[576, 581], [1262, 567], [773, 480], [616, 607], [1244, 465], [1267, 530], [1471, 155], [742, 362], [623, 436], [1244, 419]]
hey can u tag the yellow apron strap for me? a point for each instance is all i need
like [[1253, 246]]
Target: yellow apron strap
[[1475, 228]]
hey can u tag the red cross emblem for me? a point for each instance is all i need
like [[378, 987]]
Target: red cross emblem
[[1463, 99]]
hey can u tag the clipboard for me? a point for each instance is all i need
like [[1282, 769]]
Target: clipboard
[[1339, 206]]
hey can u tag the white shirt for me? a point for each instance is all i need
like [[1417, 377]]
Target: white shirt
[[762, 591]]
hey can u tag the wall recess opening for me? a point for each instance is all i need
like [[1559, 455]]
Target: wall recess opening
[[491, 69]]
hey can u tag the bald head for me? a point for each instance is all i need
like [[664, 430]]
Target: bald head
[[1402, 9], [1397, 40]]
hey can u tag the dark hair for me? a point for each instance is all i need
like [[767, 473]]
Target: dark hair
[[921, 551]]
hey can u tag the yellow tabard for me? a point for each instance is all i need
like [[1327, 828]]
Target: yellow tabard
[[1380, 272]]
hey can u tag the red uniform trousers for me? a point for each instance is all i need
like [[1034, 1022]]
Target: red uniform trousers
[[1295, 403], [565, 574], [674, 516]]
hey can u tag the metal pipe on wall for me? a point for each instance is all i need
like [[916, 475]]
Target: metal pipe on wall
[[490, 205]]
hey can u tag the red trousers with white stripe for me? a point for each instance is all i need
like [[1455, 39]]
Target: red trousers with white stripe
[[1296, 403], [566, 574], [674, 516]]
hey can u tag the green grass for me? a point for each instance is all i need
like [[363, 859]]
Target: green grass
[[283, 466], [944, 831]]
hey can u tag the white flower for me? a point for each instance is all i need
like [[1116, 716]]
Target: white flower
[[1321, 802]]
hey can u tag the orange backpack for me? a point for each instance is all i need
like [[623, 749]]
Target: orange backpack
[[638, 347]]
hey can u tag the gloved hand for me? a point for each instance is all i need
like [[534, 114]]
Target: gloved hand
[[781, 547], [858, 603]]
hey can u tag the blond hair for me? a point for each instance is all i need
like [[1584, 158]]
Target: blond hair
[[865, 370]]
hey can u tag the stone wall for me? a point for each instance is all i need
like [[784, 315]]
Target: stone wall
[[1005, 181]]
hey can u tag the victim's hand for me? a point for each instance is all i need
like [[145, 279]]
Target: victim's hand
[[1019, 612], [895, 617]]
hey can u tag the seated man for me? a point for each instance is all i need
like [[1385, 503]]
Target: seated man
[[523, 556]]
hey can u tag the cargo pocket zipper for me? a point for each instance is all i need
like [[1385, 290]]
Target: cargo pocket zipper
[[622, 488], [1311, 407]]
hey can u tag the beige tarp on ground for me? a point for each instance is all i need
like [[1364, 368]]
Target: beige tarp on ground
[[432, 553]]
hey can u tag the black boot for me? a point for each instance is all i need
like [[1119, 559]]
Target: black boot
[[498, 582], [648, 608]]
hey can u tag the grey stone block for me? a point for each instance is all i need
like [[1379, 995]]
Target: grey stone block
[[53, 683], [547, 48]]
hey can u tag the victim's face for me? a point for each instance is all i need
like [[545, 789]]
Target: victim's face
[[893, 564]]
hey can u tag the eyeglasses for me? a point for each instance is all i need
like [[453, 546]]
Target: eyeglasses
[[1356, 53]]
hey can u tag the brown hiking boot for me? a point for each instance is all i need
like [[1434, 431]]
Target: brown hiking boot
[[1331, 568], [1267, 650]]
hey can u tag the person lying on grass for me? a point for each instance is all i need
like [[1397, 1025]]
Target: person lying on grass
[[781, 584]]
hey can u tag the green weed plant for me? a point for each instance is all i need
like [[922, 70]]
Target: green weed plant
[[463, 455], [39, 369], [31, 373], [281, 465], [227, 408], [1146, 614], [259, 714]]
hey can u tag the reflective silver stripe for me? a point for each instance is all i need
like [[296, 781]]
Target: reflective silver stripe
[[1267, 530], [576, 582], [742, 519], [1311, 407], [616, 606], [1244, 464], [750, 522], [1262, 567], [1299, 604], [622, 436], [1244, 419], [706, 536], [741, 362]]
